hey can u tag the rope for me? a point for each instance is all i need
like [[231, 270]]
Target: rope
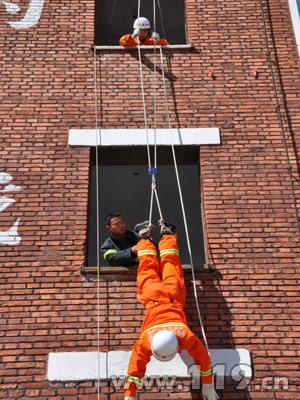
[[161, 19], [181, 202], [280, 118], [97, 233], [154, 86], [110, 22], [143, 90], [151, 170], [153, 186]]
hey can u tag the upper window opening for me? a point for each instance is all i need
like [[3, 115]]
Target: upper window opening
[[115, 19]]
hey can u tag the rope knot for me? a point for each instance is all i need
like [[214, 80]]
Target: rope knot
[[152, 171]]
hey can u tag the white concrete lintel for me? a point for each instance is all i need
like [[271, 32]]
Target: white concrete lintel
[[80, 366], [138, 137]]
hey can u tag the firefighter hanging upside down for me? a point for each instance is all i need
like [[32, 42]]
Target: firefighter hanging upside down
[[141, 32], [164, 333]]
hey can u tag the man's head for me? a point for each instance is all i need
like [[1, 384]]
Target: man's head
[[144, 24], [144, 33], [115, 223]]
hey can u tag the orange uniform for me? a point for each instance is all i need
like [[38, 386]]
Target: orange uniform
[[126, 40], [161, 289]]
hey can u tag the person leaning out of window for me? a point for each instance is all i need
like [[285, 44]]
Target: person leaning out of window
[[142, 35], [119, 249]]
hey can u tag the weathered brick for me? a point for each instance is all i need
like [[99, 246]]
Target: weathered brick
[[47, 86]]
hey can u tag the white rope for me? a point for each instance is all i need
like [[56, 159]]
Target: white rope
[[111, 19], [97, 233], [143, 90], [154, 86], [157, 202], [161, 19], [153, 185], [181, 201]]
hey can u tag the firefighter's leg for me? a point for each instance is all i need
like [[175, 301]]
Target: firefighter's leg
[[148, 270], [171, 269]]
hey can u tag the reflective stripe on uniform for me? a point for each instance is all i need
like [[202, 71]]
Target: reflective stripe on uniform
[[166, 325], [145, 252], [122, 40], [134, 379], [109, 252], [205, 373], [169, 251]]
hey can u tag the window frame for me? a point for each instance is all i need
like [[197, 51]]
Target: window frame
[[118, 159], [162, 24], [128, 137]]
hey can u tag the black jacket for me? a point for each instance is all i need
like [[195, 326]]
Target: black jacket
[[117, 252]]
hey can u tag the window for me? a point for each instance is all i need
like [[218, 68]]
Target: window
[[124, 186], [114, 18]]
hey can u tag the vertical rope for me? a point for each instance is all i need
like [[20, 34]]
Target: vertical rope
[[161, 19], [97, 232], [111, 19], [154, 86], [153, 185], [182, 203], [280, 117], [143, 91]]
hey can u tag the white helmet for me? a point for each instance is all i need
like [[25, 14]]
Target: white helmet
[[142, 23], [164, 345]]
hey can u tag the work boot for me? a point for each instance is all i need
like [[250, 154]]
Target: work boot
[[143, 229], [166, 228]]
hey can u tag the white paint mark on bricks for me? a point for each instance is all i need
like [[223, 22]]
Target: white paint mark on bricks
[[11, 8], [9, 237], [5, 178], [32, 16], [5, 202]]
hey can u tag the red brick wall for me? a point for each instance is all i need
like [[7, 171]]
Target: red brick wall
[[47, 87]]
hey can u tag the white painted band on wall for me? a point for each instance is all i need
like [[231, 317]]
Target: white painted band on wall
[[79, 366], [137, 137]]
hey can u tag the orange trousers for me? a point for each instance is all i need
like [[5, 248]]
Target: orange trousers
[[160, 283]]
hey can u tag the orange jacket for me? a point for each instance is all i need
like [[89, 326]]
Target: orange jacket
[[141, 354], [161, 289], [126, 40]]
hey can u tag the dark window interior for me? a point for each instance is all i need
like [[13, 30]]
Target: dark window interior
[[125, 186], [115, 18]]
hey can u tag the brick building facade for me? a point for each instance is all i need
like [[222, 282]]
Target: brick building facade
[[250, 299]]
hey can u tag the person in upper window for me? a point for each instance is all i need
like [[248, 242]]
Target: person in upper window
[[142, 35], [119, 249]]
